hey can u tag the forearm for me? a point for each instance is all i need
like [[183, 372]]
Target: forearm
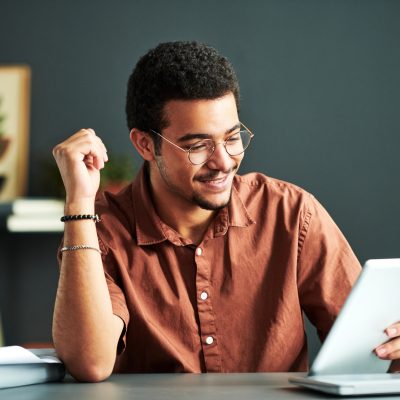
[[85, 330]]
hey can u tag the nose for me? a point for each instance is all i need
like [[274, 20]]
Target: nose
[[220, 159]]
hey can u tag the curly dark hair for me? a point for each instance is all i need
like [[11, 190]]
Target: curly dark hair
[[175, 71]]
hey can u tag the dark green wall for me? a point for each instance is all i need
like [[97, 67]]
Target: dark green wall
[[320, 88]]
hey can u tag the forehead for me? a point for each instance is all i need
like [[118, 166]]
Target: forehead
[[201, 116]]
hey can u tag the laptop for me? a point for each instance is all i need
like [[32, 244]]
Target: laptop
[[346, 363]]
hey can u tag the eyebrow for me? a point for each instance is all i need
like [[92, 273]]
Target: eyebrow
[[191, 136]]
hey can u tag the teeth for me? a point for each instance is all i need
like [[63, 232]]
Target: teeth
[[216, 180]]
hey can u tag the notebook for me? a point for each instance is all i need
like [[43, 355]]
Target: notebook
[[19, 367], [346, 363]]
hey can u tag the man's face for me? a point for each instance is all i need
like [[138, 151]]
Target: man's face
[[208, 185]]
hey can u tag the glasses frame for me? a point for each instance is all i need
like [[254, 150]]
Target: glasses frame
[[224, 142]]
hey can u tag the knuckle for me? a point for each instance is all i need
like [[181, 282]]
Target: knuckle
[[62, 151], [57, 150], [90, 138], [89, 131]]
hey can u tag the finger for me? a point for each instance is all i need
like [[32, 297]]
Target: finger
[[395, 355], [98, 162], [94, 158], [88, 160], [393, 330], [103, 148], [101, 154], [83, 143], [78, 147], [82, 133], [389, 350]]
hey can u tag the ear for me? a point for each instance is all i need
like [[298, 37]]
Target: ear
[[143, 144]]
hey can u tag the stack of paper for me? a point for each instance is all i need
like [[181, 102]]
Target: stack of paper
[[19, 367], [35, 215]]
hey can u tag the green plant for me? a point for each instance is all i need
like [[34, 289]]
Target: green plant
[[120, 168]]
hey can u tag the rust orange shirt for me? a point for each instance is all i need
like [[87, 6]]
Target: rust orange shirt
[[233, 303]]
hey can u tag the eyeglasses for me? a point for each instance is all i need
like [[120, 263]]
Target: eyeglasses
[[201, 151]]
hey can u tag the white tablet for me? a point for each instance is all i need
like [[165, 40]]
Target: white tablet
[[372, 305]]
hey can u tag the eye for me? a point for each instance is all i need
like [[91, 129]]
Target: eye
[[234, 138], [199, 146]]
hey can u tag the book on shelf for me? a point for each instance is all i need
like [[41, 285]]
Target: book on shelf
[[34, 223], [20, 367], [33, 205]]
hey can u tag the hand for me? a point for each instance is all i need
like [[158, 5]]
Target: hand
[[391, 349], [80, 159]]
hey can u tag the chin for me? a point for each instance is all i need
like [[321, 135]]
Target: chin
[[209, 204]]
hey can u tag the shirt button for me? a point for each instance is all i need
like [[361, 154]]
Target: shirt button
[[204, 295], [209, 340], [199, 251]]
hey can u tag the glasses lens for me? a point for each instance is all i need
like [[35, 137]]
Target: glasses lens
[[238, 143], [201, 151]]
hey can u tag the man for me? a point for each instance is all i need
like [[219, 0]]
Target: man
[[192, 268]]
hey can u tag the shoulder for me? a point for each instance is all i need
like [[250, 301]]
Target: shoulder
[[120, 203], [116, 214], [256, 186]]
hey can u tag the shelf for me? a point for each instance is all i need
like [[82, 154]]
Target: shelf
[[32, 215]]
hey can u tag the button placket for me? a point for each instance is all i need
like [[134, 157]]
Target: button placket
[[204, 295], [209, 340], [206, 315]]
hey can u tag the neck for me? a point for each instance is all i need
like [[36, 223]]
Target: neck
[[185, 217]]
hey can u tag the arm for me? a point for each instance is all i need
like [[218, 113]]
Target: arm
[[327, 267], [85, 330], [330, 276]]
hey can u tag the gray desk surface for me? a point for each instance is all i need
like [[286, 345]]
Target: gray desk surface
[[171, 386]]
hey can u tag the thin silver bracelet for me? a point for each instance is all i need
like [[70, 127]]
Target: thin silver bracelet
[[80, 247]]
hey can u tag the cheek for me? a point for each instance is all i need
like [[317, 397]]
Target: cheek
[[195, 172], [238, 159], [183, 172]]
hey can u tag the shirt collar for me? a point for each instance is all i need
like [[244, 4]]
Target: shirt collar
[[151, 230], [148, 224], [234, 214]]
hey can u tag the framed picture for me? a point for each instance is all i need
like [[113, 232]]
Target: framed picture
[[14, 130]]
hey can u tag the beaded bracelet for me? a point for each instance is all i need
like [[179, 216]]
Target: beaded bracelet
[[79, 217], [79, 247]]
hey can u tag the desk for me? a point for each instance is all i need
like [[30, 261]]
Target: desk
[[172, 387]]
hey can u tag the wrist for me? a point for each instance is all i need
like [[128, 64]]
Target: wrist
[[85, 206]]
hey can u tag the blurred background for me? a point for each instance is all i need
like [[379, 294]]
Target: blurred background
[[320, 88]]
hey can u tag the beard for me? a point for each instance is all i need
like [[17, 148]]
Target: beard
[[195, 198], [208, 205]]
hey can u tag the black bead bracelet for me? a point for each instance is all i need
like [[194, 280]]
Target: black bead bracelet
[[67, 218]]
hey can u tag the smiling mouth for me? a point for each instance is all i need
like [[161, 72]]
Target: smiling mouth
[[215, 183]]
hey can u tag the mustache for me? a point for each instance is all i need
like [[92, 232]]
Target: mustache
[[214, 174]]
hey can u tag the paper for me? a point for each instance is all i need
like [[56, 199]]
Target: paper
[[19, 355], [19, 367]]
